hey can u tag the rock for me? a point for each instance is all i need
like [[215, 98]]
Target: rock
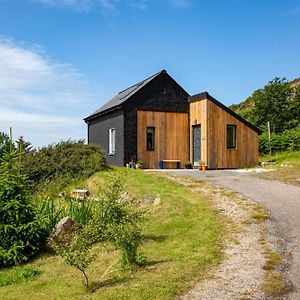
[[148, 199], [125, 197], [65, 229], [156, 201]]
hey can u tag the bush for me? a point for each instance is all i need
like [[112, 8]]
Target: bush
[[287, 141], [114, 222], [21, 230], [63, 162]]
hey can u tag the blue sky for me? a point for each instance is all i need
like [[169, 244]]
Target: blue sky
[[62, 59]]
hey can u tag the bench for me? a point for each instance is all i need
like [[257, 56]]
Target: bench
[[79, 194], [161, 162]]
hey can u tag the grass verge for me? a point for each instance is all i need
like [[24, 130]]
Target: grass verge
[[286, 167], [181, 242]]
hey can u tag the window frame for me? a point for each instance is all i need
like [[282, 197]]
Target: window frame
[[112, 141], [234, 144], [153, 138]]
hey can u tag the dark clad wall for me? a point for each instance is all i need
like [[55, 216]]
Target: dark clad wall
[[98, 134]]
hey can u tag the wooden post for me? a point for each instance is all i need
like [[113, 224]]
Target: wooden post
[[269, 134]]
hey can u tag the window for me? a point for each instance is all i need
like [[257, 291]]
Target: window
[[231, 136], [150, 138], [112, 141]]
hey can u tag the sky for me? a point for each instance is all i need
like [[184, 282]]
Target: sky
[[60, 60]]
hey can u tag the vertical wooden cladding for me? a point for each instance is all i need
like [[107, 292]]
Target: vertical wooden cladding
[[214, 121], [171, 137], [198, 115]]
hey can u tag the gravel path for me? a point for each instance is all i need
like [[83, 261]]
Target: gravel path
[[282, 202]]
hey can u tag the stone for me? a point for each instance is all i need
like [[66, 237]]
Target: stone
[[156, 201], [65, 229], [125, 197]]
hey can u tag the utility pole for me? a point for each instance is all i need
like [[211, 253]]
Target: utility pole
[[269, 134]]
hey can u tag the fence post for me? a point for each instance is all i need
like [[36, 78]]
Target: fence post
[[269, 134]]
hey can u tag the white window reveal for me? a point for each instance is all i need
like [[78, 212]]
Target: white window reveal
[[112, 141]]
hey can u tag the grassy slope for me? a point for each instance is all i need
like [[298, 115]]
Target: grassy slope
[[286, 166], [182, 241]]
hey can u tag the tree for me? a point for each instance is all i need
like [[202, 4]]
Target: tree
[[272, 103], [23, 145], [4, 143], [21, 230]]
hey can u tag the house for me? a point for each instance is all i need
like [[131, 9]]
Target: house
[[158, 122]]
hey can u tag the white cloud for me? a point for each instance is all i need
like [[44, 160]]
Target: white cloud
[[41, 99]]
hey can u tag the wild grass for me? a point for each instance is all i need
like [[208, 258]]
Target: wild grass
[[181, 240], [274, 284]]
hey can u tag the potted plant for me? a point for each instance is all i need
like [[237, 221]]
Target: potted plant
[[140, 164], [188, 165], [202, 165]]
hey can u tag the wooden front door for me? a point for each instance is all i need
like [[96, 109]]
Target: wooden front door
[[196, 143]]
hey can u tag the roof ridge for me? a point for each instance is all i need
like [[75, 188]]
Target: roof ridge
[[123, 95], [141, 82]]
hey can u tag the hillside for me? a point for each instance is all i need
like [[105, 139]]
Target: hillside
[[249, 102], [278, 102]]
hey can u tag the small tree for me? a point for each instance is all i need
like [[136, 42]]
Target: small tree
[[77, 253], [21, 232], [115, 222]]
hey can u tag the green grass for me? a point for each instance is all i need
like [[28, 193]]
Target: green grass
[[16, 274], [286, 167], [181, 241]]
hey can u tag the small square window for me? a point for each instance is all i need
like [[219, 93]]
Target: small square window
[[112, 141], [231, 136], [150, 138]]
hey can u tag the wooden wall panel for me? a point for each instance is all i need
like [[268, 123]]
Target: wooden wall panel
[[214, 120], [198, 115], [171, 137]]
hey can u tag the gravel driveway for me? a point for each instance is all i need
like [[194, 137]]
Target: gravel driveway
[[282, 202]]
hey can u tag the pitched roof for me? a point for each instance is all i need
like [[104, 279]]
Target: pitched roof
[[206, 95], [122, 96]]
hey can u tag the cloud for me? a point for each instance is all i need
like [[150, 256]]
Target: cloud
[[41, 99]]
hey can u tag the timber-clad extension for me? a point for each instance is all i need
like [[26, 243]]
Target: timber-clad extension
[[156, 120]]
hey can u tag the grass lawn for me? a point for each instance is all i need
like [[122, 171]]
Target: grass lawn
[[286, 165], [181, 240]]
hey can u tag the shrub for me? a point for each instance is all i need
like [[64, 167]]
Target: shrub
[[114, 221], [21, 231], [63, 162], [287, 141]]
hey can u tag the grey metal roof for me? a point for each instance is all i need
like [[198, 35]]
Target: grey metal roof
[[122, 96]]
